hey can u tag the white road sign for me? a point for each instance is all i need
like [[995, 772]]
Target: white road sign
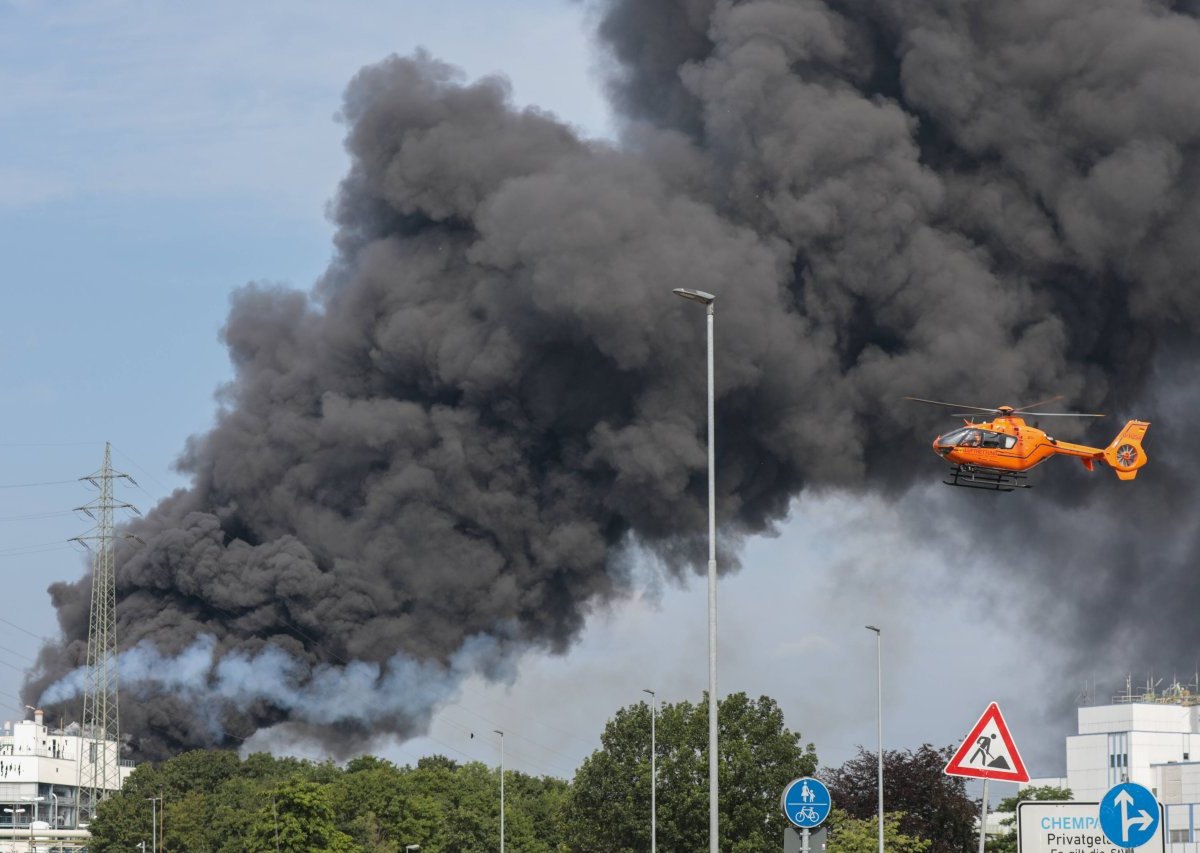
[[1056, 827]]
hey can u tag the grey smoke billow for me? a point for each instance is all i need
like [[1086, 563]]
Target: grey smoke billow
[[441, 456]]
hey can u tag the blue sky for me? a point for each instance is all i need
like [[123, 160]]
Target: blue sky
[[156, 156]]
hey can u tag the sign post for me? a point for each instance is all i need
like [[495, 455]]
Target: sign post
[[987, 753], [805, 803], [794, 841]]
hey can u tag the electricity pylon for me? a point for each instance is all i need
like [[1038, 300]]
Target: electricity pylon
[[99, 766]]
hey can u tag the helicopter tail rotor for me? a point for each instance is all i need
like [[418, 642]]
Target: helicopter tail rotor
[[1125, 454]]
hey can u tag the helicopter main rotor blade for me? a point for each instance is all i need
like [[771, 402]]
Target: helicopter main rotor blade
[[1040, 403], [1060, 415], [952, 405]]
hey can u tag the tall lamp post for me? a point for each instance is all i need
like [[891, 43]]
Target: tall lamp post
[[653, 773], [879, 717], [707, 299], [497, 731], [154, 822], [14, 811], [33, 815]]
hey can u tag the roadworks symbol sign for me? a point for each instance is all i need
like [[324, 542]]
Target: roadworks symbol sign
[[989, 751]]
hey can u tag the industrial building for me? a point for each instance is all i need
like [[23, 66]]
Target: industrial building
[[1148, 737], [41, 779]]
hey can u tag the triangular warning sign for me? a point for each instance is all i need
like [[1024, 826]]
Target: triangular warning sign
[[989, 751]]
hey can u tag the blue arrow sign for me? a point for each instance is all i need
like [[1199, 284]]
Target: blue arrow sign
[[805, 802], [1129, 815]]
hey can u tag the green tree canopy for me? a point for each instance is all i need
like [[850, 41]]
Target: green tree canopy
[[298, 818], [213, 802], [935, 806], [608, 809], [861, 835]]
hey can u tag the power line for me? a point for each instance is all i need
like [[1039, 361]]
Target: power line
[[31, 485], [133, 462], [25, 630], [37, 515], [30, 550], [18, 654], [54, 444]]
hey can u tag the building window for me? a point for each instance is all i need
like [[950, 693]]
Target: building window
[[1180, 836], [1185, 756]]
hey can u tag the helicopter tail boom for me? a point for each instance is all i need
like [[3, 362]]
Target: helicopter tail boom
[[1125, 454]]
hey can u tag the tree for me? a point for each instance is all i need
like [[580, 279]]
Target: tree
[[298, 818], [608, 807], [861, 835], [214, 802], [935, 806], [123, 819], [1006, 842]]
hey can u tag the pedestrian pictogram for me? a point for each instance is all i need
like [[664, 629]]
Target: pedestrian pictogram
[[805, 802], [989, 752]]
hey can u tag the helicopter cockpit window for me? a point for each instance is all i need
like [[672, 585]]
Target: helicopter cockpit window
[[992, 439], [951, 439], [973, 438]]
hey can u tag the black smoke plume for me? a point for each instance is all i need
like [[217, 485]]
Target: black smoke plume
[[441, 456]]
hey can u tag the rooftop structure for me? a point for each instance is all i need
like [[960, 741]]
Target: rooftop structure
[[40, 775], [1146, 736]]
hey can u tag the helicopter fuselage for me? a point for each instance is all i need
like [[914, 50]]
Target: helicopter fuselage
[[1007, 443]]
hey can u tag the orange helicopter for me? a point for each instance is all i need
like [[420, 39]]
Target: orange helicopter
[[996, 454]]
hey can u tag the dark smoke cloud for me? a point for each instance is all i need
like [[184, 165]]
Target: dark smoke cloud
[[441, 456]]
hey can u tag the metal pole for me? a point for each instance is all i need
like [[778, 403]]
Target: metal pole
[[713, 755], [707, 299], [879, 718], [983, 810], [497, 731], [153, 823], [653, 772]]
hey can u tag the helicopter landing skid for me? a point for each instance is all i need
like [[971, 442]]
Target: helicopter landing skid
[[992, 479]]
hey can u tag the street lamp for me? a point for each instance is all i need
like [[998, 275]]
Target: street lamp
[[154, 822], [497, 731], [707, 299], [14, 811], [653, 771], [879, 694], [33, 808]]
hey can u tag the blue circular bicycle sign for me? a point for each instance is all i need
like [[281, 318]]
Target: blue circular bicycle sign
[[805, 802]]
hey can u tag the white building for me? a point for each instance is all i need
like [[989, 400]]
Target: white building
[[40, 775], [1152, 739]]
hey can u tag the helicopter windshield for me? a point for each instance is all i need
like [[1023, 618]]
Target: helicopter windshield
[[971, 437], [952, 439]]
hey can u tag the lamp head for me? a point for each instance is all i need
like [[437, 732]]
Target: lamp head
[[873, 628], [695, 295]]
